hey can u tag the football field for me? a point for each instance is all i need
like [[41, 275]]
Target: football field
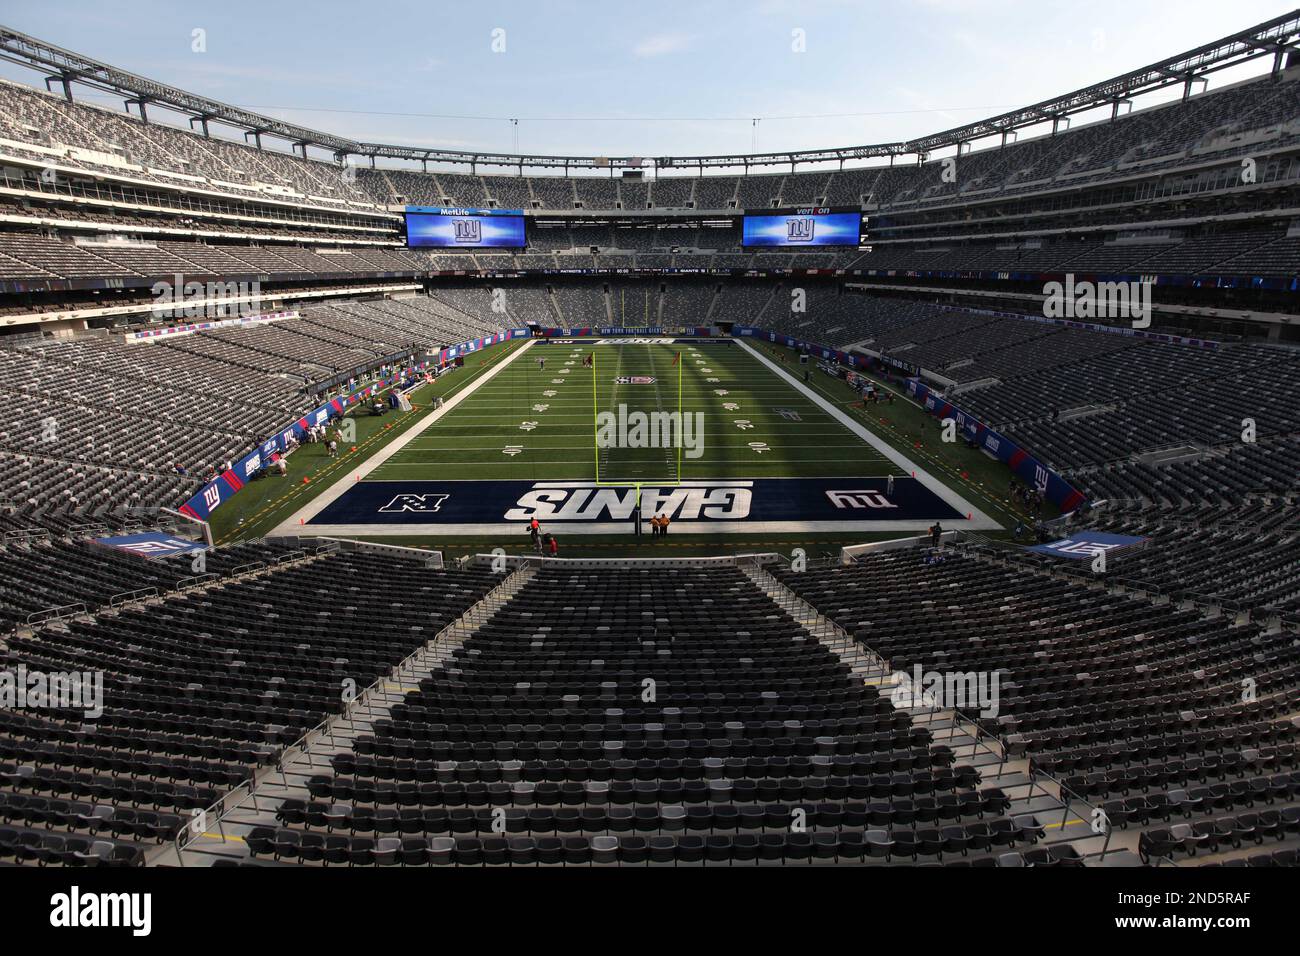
[[590, 434], [537, 420]]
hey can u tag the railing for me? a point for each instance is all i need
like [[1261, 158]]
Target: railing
[[126, 597], [194, 581], [822, 627], [429, 557], [537, 561], [247, 790], [852, 552], [56, 613]]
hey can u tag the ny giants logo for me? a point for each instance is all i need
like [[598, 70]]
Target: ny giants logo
[[799, 230], [467, 230]]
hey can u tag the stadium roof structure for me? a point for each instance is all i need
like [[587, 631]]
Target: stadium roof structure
[[1274, 37]]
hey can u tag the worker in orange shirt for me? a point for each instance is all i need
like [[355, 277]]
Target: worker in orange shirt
[[664, 521]]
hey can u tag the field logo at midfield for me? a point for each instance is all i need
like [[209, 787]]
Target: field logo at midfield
[[789, 414], [634, 380], [420, 504], [581, 501], [638, 429]]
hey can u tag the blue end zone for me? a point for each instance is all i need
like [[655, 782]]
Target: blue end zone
[[856, 500]]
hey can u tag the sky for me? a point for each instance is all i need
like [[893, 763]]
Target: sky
[[620, 79]]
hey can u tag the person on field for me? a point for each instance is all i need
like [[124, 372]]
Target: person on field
[[552, 545], [664, 521]]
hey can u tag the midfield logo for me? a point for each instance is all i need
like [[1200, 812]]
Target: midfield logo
[[789, 414], [421, 504], [467, 230], [799, 230]]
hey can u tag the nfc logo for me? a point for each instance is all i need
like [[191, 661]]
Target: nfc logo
[[416, 503], [467, 230], [799, 230]]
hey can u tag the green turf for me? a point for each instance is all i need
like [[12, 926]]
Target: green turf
[[539, 423]]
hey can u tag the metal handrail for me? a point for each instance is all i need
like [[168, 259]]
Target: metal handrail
[[56, 613], [126, 597], [184, 584]]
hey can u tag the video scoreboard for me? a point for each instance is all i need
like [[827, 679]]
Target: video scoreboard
[[450, 227], [806, 226]]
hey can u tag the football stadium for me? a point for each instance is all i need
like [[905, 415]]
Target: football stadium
[[927, 504]]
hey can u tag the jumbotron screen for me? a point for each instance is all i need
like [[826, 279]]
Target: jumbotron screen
[[445, 227], [814, 226]]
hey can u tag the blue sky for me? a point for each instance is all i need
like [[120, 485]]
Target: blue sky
[[659, 78]]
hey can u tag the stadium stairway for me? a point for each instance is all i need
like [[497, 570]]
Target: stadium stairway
[[1211, 785], [967, 742], [225, 838]]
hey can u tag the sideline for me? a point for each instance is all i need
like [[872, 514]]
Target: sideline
[[978, 521], [340, 487]]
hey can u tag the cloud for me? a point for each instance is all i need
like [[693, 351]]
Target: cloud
[[662, 44]]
